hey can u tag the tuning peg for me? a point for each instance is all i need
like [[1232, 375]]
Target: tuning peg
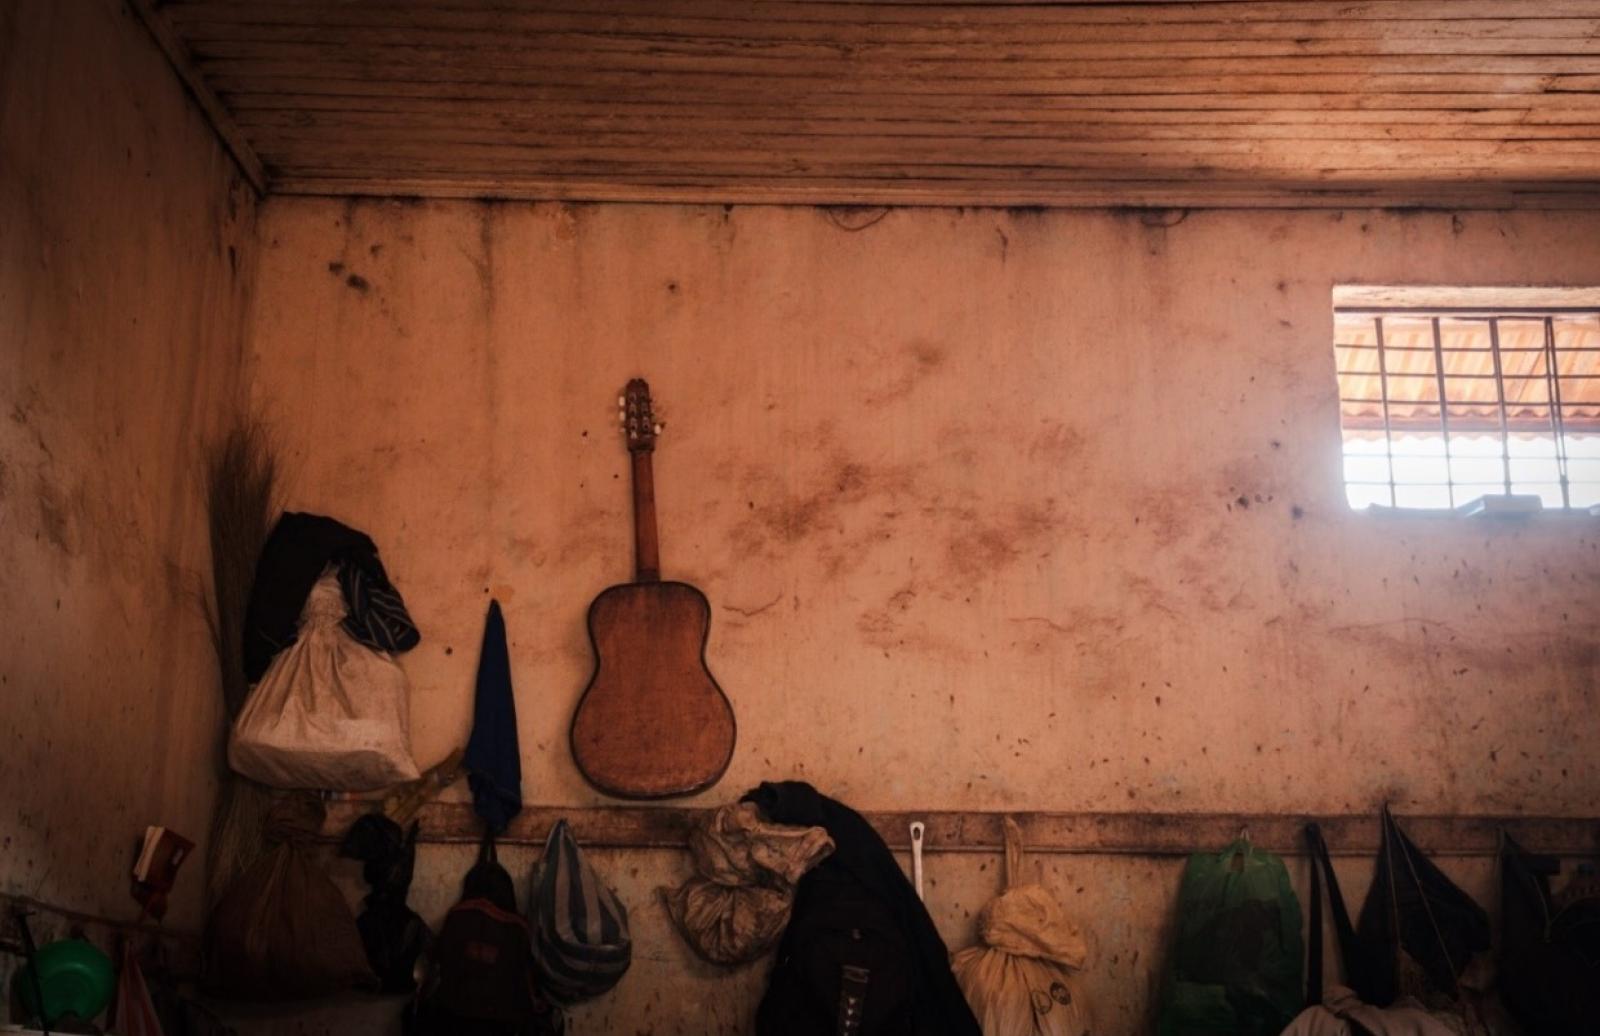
[[656, 429], [621, 400]]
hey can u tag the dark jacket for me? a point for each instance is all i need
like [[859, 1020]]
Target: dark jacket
[[861, 857]]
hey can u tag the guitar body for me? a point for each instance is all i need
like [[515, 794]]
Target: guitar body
[[652, 723]]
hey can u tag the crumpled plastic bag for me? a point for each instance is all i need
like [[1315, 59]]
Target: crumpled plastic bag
[[330, 712], [283, 931], [1019, 982], [738, 905], [1341, 1007]]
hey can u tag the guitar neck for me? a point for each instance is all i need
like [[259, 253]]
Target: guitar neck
[[646, 548]]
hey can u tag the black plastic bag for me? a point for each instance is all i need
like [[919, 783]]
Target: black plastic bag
[[1413, 916], [1549, 952]]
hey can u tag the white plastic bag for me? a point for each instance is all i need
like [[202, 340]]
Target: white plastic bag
[[329, 713], [1341, 1006], [1018, 983]]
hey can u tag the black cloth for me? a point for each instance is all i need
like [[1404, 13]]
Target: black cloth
[[300, 547], [393, 935], [494, 758], [860, 857]]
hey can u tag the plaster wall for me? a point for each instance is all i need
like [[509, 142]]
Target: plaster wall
[[996, 510], [124, 242]]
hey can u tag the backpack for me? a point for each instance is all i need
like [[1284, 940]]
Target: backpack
[[481, 979], [1235, 968]]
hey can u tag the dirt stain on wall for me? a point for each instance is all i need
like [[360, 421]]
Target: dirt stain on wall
[[905, 370]]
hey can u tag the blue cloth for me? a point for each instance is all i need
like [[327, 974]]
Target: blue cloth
[[493, 760]]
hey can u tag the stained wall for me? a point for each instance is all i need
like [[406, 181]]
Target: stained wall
[[125, 239], [996, 510]]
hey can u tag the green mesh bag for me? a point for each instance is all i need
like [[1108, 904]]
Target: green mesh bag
[[1236, 965]]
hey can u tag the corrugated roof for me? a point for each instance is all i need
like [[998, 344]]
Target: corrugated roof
[[1476, 366]]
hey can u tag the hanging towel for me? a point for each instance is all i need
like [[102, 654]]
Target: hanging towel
[[493, 760]]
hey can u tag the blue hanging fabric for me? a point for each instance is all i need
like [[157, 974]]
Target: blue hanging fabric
[[493, 759]]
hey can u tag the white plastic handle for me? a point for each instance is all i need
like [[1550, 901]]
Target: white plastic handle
[[917, 828]]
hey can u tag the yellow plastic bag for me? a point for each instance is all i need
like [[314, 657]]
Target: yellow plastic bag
[[1018, 982]]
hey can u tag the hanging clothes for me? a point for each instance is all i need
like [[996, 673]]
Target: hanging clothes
[[393, 934], [863, 874], [494, 758], [300, 547], [736, 906]]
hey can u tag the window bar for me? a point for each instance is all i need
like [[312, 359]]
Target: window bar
[[1558, 423], [1444, 411], [1383, 393], [1500, 393]]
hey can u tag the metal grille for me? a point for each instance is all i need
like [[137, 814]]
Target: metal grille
[[1440, 407]]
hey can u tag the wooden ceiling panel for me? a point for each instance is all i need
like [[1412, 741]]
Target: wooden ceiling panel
[[1224, 102]]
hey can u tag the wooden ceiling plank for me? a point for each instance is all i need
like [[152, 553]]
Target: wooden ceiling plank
[[740, 113], [770, 131], [571, 82], [667, 36], [392, 61], [706, 17], [1118, 193], [981, 61], [1508, 88], [622, 88], [1488, 161], [973, 60]]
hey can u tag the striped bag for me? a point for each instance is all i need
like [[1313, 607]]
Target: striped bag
[[581, 946]]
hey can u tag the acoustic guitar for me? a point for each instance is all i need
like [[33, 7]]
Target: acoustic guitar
[[652, 723]]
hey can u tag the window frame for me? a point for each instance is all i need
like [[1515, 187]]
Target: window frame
[[1433, 307]]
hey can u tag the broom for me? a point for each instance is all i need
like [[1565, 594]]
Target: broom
[[241, 477]]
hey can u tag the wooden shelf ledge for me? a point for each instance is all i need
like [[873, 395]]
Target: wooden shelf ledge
[[969, 831]]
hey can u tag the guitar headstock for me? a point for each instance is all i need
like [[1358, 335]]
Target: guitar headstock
[[636, 417]]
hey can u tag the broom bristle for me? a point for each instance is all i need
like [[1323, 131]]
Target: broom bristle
[[241, 486], [241, 490]]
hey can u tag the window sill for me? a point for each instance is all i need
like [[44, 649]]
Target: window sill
[[1500, 507]]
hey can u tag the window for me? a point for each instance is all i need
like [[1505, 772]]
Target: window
[[1469, 399]]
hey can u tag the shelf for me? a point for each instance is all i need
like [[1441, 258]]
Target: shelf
[[1116, 834]]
